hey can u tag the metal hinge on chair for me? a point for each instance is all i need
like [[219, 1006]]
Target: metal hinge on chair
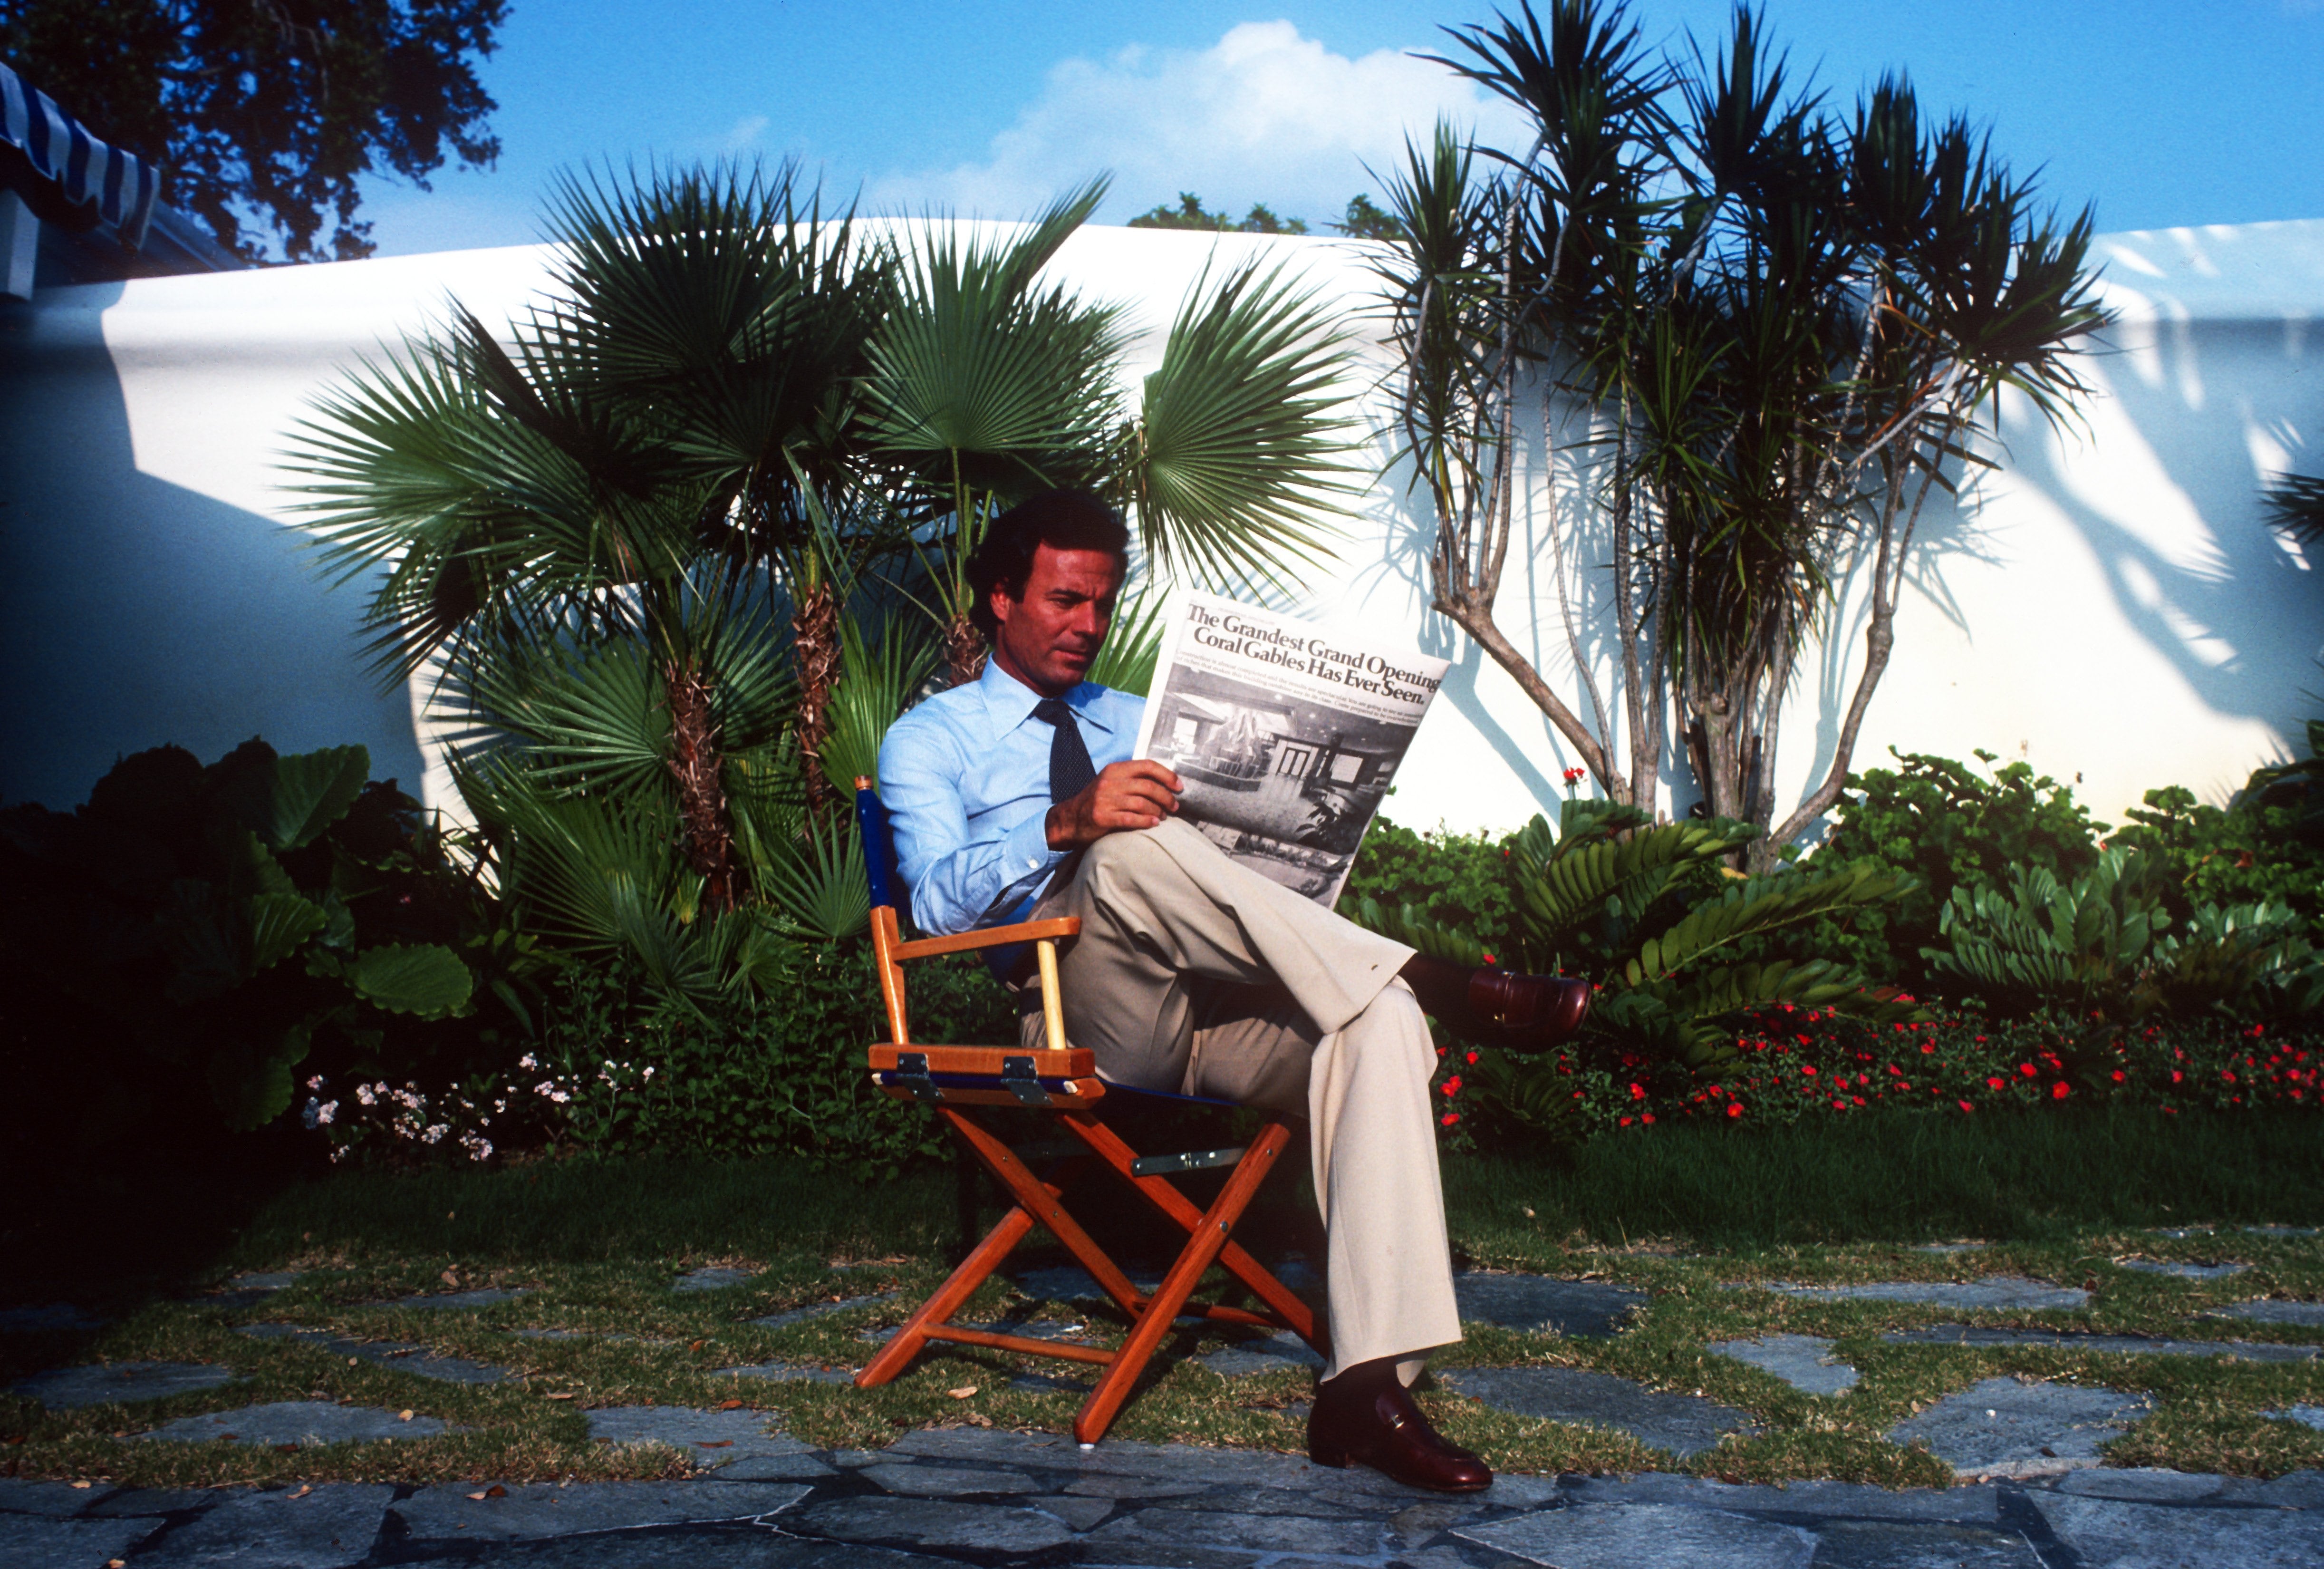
[[1191, 1160], [912, 1073], [1018, 1078]]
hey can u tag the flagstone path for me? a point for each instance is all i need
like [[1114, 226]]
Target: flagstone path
[[2034, 1492], [973, 1497]]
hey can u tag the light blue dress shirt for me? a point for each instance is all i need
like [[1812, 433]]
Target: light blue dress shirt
[[965, 778]]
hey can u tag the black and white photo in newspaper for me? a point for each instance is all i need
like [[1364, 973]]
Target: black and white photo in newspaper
[[1285, 734]]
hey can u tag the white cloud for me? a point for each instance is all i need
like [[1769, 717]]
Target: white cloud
[[1264, 114], [744, 134]]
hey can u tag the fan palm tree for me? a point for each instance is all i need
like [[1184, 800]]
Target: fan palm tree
[[637, 543]]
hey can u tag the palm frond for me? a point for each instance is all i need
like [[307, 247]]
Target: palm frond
[[1242, 440]]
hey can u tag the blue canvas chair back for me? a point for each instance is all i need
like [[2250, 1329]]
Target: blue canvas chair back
[[879, 855]]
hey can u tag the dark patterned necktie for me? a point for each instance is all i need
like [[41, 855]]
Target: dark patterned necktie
[[1070, 772]]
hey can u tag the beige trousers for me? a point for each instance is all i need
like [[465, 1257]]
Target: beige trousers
[[1194, 975]]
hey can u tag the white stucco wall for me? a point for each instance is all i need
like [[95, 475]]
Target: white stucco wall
[[2108, 603]]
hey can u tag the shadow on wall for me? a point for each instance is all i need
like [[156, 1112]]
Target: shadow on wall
[[2216, 404], [135, 612]]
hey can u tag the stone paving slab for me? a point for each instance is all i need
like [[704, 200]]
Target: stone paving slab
[[331, 1527], [2182, 1270], [540, 1510], [785, 1374], [1543, 1303], [945, 1480], [736, 1444], [1805, 1361], [2273, 1310], [1996, 1291], [459, 1301], [931, 1523], [713, 1278], [1664, 1536], [46, 1318], [70, 1388], [1683, 1425], [408, 1359], [2127, 1535], [246, 1291], [785, 1319], [1282, 1351], [2113, 1344], [29, 1543], [300, 1421], [19, 1496], [2306, 1416], [2004, 1427]]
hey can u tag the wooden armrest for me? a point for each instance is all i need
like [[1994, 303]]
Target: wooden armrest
[[991, 937]]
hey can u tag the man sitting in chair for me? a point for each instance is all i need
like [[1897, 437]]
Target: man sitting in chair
[[1017, 799]]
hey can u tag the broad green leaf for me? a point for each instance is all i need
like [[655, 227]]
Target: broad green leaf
[[203, 939], [279, 924], [421, 979], [290, 802]]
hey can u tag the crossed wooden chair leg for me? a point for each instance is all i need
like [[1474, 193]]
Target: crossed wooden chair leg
[[1040, 1201]]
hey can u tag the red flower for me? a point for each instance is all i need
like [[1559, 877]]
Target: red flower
[[1807, 1069], [1449, 1118], [1453, 1086], [1995, 1084], [1473, 1059], [1646, 1117], [1636, 1093], [2117, 1075], [1967, 1107], [1574, 775], [2058, 1092], [1927, 1048], [1491, 960], [1627, 1120], [1733, 1110], [2028, 1069]]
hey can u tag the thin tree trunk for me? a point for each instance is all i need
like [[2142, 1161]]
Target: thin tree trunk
[[964, 651], [698, 766], [815, 647]]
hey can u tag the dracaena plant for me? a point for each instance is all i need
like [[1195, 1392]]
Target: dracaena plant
[[1751, 335]]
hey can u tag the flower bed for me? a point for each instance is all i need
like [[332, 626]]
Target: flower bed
[[1793, 1063]]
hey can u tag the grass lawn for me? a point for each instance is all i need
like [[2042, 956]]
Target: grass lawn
[[1692, 1215]]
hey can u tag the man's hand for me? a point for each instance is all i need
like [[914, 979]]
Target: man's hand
[[1137, 794]]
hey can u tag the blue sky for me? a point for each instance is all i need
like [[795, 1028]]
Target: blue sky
[[2160, 112]]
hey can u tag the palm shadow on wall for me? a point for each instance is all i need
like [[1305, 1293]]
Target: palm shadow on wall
[[2260, 598], [135, 612]]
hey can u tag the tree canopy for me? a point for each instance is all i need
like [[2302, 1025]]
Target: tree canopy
[[267, 116]]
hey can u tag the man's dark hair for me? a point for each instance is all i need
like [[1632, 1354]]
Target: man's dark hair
[[1062, 519]]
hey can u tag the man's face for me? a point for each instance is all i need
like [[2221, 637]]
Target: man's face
[[1051, 631]]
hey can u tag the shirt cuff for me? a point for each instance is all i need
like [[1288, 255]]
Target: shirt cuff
[[1025, 849]]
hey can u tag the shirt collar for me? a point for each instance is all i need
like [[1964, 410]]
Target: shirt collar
[[1010, 702]]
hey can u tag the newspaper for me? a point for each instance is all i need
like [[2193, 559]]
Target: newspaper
[[1285, 736]]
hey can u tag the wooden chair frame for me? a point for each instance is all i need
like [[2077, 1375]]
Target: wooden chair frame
[[1061, 1080]]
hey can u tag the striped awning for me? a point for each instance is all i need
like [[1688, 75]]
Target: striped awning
[[84, 170]]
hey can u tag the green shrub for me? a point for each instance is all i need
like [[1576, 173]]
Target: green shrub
[[2248, 853], [1462, 880], [623, 1068], [182, 948], [1950, 828]]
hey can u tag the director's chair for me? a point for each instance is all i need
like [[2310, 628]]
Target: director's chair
[[1060, 1081]]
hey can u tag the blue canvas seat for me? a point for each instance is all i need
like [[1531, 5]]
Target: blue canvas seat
[[1060, 1082]]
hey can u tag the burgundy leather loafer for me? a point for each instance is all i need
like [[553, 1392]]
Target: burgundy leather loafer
[[1529, 1013], [1388, 1433]]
